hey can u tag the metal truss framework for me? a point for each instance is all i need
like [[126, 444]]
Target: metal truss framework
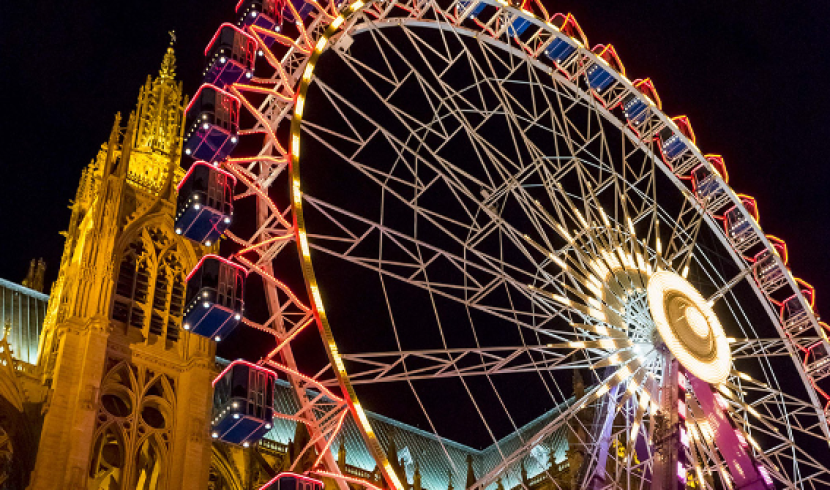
[[560, 283]]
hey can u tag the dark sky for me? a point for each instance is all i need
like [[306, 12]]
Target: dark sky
[[752, 78]]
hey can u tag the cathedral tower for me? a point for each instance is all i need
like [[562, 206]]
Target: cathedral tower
[[129, 390]]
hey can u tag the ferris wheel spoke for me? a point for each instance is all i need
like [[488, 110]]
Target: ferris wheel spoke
[[471, 296], [400, 366], [683, 236], [770, 347]]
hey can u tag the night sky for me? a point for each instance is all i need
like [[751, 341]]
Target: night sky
[[752, 80]]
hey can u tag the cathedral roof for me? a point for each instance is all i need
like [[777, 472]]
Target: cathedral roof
[[436, 456], [23, 310]]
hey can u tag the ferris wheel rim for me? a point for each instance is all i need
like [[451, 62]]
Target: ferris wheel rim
[[349, 394], [313, 286], [297, 202]]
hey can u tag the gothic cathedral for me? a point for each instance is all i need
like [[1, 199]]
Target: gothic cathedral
[[123, 394]]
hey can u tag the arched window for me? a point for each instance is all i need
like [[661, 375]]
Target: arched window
[[135, 423], [132, 285], [168, 297], [160, 301], [150, 286], [176, 306], [148, 466], [105, 472]]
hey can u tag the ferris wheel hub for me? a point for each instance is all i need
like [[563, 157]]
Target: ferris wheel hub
[[689, 327]]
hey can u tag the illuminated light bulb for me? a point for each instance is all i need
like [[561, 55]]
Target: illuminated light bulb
[[196, 206], [207, 243], [206, 304], [235, 405], [277, 28], [227, 220], [196, 197], [249, 75], [222, 59], [267, 426], [178, 231], [237, 317], [236, 415], [253, 13], [187, 151], [681, 471], [246, 444], [205, 126], [187, 326], [218, 339], [215, 435], [233, 139], [260, 53], [205, 294]]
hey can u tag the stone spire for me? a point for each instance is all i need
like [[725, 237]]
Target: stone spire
[[34, 278], [341, 453], [159, 125], [168, 64], [160, 108]]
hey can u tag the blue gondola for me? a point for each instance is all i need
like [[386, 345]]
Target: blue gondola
[[518, 26], [292, 481], [214, 304], [599, 78], [212, 124], [230, 56], [243, 403], [737, 225], [259, 13], [559, 50], [204, 208], [635, 109], [705, 183], [563, 46], [464, 4], [672, 143]]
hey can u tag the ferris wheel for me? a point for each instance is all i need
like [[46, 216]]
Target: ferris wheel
[[482, 204]]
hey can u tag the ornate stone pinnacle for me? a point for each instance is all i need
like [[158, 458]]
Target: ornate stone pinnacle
[[168, 64]]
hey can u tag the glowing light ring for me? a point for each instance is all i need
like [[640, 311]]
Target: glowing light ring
[[360, 417], [689, 327]]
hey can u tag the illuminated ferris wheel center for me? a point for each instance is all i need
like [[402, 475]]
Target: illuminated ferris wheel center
[[689, 327]]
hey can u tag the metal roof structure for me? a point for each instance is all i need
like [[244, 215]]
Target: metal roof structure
[[22, 309], [437, 457]]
